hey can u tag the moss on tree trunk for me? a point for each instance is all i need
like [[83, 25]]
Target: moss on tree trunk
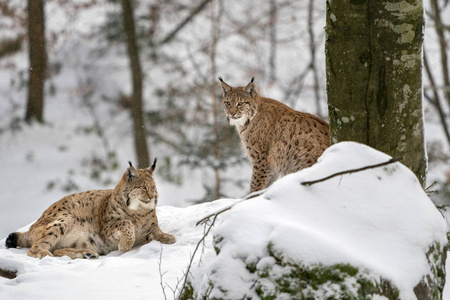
[[374, 61]]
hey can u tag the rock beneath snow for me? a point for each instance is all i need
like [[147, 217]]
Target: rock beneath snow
[[374, 234]]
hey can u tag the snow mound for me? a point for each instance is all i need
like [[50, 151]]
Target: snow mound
[[379, 220]]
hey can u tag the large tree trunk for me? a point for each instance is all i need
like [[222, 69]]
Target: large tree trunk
[[374, 63], [38, 60], [136, 73]]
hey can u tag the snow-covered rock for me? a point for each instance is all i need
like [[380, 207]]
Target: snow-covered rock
[[365, 235]]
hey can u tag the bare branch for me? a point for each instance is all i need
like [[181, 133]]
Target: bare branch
[[436, 99], [189, 18], [312, 50], [438, 25], [392, 160]]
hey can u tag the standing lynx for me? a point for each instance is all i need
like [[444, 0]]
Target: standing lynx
[[89, 224], [278, 139]]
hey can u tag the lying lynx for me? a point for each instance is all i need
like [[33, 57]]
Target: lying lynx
[[278, 139], [93, 223]]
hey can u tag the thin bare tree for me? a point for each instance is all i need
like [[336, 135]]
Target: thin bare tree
[[38, 60], [440, 29], [273, 40], [214, 41], [140, 141]]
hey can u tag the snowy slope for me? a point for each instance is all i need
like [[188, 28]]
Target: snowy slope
[[379, 219]]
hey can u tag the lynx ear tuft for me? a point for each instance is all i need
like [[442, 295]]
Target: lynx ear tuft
[[250, 88], [225, 87], [131, 172], [153, 167]]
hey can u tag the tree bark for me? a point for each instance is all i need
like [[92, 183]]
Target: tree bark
[[273, 40], [140, 142], [38, 60], [374, 63], [212, 56]]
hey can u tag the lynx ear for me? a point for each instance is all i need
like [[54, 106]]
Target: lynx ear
[[131, 172], [250, 88], [153, 167], [225, 87]]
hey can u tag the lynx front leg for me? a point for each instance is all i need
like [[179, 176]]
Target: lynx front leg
[[160, 236], [124, 233], [262, 176]]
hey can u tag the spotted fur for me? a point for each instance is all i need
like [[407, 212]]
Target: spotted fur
[[278, 139], [93, 223]]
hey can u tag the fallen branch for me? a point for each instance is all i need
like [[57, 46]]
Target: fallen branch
[[391, 161], [9, 274], [250, 196]]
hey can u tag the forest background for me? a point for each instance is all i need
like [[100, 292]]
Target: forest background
[[86, 133]]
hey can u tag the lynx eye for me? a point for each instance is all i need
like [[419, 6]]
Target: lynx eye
[[227, 103], [240, 104]]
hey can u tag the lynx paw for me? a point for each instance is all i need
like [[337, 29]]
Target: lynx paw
[[124, 246], [90, 255], [168, 239], [76, 253]]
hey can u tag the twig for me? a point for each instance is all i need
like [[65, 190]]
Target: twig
[[392, 160], [174, 290], [161, 274], [206, 232], [192, 257], [429, 190], [443, 206]]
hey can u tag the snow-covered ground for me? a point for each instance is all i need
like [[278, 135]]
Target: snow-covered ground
[[42, 163], [379, 219], [136, 274]]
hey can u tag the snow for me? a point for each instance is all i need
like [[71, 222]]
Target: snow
[[379, 219]]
